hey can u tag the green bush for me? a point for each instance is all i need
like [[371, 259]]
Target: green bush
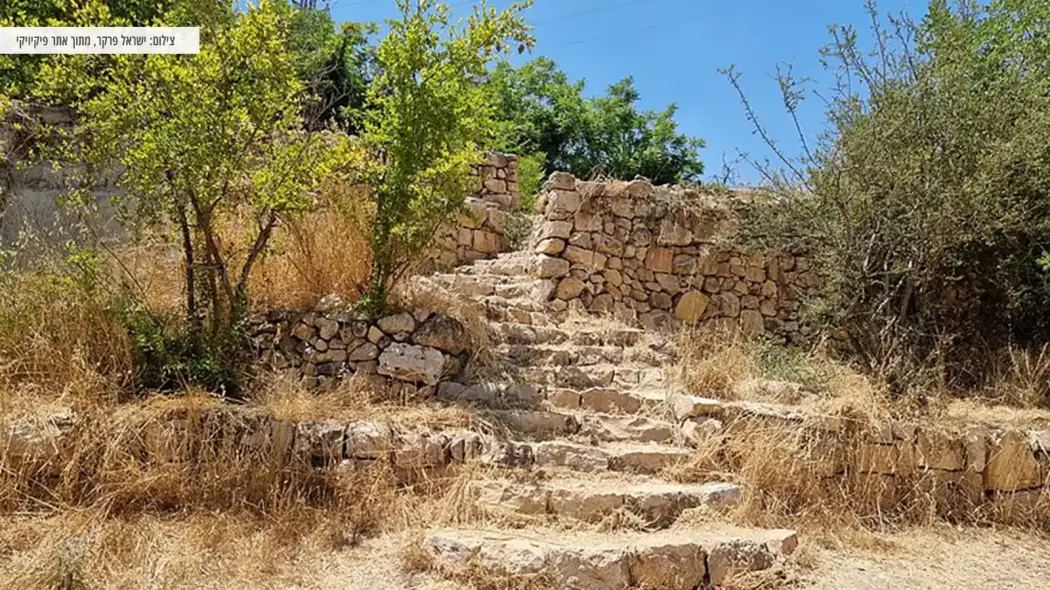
[[927, 205]]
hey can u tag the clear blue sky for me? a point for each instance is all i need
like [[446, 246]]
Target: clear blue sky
[[674, 49]]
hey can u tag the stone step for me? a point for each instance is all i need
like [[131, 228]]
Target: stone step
[[507, 264], [502, 395], [588, 377], [520, 311], [583, 560], [625, 457], [657, 503], [560, 355], [516, 333], [610, 400], [541, 425], [488, 285]]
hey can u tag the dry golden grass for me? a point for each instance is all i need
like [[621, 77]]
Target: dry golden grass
[[286, 397], [322, 253], [57, 342]]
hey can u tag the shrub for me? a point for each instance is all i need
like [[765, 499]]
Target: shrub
[[927, 205]]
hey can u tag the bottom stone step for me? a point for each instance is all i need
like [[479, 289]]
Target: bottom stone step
[[657, 503], [674, 560]]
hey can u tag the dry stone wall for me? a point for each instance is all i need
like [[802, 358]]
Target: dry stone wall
[[663, 255], [402, 353], [955, 467], [480, 231]]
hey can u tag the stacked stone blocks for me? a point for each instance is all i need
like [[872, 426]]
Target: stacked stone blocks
[[480, 231], [662, 255]]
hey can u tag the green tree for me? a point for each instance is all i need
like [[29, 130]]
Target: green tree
[[541, 111], [335, 66], [197, 140], [928, 203], [430, 118], [69, 79]]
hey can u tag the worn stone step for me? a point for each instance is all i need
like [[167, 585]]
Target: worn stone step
[[626, 457], [507, 264], [516, 333], [658, 503], [518, 310], [626, 428], [610, 400], [488, 285], [670, 560], [587, 377], [560, 355]]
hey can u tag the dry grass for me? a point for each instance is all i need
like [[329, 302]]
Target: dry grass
[[286, 397], [57, 342], [325, 252]]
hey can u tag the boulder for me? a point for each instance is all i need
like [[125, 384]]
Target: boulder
[[570, 288], [547, 267], [444, 333], [411, 363], [397, 323], [691, 307]]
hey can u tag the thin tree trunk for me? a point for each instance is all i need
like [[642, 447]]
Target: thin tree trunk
[[191, 278]]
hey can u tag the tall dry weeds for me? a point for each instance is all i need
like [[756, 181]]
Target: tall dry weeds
[[58, 340]]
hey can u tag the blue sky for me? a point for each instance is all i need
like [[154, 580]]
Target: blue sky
[[674, 49]]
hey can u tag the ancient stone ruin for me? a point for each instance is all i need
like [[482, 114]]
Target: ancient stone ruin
[[402, 353], [661, 255]]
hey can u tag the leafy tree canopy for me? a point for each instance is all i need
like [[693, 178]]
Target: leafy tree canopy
[[542, 111], [928, 203]]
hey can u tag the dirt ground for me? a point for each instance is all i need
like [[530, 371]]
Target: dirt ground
[[203, 555], [935, 559]]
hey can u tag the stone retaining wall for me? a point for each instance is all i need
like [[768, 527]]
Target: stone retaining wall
[[481, 231], [402, 353], [960, 467], [663, 255]]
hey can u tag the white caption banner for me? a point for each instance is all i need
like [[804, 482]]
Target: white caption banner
[[99, 40]]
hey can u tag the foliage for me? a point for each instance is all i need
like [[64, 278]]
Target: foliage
[[429, 120], [543, 112], [335, 66], [207, 140], [928, 203], [70, 79], [530, 179]]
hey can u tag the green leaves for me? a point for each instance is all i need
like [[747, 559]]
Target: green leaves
[[541, 111], [429, 119]]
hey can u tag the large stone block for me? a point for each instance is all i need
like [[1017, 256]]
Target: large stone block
[[415, 364], [691, 306], [659, 260], [1012, 465], [550, 267]]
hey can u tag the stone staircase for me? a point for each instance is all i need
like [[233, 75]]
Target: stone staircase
[[585, 405]]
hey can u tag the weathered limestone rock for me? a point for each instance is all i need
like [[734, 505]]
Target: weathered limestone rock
[[691, 406], [556, 229], [572, 455], [550, 246], [411, 363], [547, 267], [442, 332], [659, 563], [691, 307], [517, 498], [590, 568], [397, 323], [570, 288], [562, 181], [1012, 465]]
